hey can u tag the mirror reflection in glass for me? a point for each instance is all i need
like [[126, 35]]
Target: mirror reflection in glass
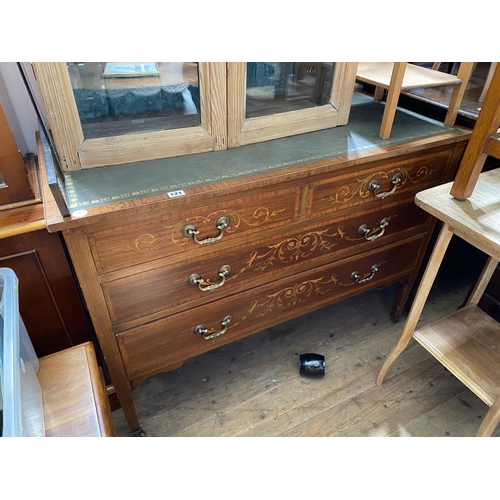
[[277, 87], [116, 98]]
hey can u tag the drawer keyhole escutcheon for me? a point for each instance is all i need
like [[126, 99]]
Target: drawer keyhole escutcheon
[[374, 185], [357, 277], [202, 329], [190, 231], [363, 229], [196, 279]]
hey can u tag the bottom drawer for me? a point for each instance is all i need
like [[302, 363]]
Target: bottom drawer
[[167, 343]]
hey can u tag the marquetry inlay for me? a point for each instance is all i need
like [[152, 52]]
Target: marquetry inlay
[[295, 248], [258, 217], [347, 193], [297, 294]]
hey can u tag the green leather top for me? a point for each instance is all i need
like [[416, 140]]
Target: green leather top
[[99, 186]]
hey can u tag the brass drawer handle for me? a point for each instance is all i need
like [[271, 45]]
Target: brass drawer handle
[[374, 185], [196, 279], [357, 277], [202, 329], [190, 231], [382, 225]]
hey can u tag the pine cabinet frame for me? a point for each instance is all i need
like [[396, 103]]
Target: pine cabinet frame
[[75, 152], [223, 121], [242, 130]]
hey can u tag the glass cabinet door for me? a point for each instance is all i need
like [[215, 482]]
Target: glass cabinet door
[[268, 100], [108, 113], [126, 98]]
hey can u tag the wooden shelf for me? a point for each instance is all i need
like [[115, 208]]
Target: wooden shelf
[[475, 219], [467, 343], [379, 74]]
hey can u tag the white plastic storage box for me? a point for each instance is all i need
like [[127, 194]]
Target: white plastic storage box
[[21, 405]]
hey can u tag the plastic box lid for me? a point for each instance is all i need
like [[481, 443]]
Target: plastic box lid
[[21, 404]]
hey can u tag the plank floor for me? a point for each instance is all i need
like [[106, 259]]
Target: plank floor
[[253, 387]]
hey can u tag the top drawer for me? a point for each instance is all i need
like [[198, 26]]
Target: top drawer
[[166, 234], [387, 180]]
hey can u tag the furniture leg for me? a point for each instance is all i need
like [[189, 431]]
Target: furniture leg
[[81, 258], [464, 72], [420, 299], [391, 102], [378, 94], [482, 282], [400, 299], [490, 420], [487, 83], [474, 157]]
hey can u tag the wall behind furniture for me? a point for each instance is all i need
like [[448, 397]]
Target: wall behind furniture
[[18, 108]]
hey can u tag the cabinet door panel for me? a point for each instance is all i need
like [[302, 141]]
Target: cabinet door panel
[[14, 183], [269, 100], [49, 302], [75, 94]]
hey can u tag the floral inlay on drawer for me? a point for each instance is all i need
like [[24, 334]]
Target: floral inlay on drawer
[[296, 248], [151, 347], [378, 184], [363, 230], [167, 235], [351, 273], [230, 222], [205, 277]]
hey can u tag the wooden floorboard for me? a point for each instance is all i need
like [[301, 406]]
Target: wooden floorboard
[[459, 416], [253, 387]]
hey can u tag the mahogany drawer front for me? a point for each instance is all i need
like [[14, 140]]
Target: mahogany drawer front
[[162, 236], [398, 178], [141, 294], [166, 343]]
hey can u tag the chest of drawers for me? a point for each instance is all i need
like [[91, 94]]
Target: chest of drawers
[[166, 279]]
